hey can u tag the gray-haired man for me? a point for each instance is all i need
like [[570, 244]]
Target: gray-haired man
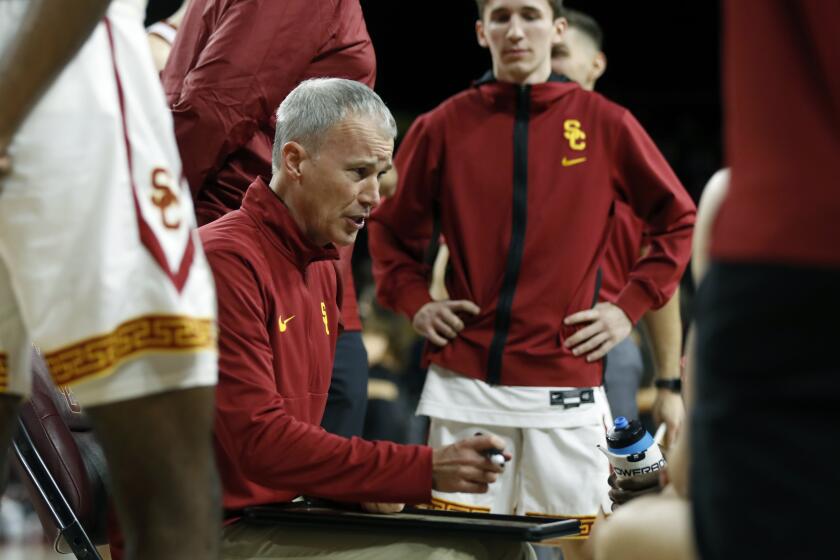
[[273, 262]]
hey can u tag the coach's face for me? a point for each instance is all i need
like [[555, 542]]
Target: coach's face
[[339, 183]]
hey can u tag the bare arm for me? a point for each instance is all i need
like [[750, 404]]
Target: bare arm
[[160, 51], [664, 333], [627, 535], [710, 203], [49, 36]]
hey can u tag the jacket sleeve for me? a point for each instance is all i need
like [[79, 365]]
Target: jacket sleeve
[[643, 178], [402, 227], [271, 447], [256, 53]]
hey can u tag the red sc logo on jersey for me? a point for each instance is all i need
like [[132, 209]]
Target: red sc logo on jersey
[[164, 197]]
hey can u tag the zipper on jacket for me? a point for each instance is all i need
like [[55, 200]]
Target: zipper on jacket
[[517, 237]]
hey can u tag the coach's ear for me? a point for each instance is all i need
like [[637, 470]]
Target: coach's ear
[[293, 156]]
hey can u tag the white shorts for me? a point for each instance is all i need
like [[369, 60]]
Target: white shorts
[[100, 264], [556, 470]]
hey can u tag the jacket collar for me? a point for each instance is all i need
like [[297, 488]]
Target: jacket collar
[[488, 78], [274, 220], [502, 95]]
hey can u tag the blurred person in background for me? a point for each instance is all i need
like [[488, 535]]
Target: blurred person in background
[[581, 58], [652, 519], [162, 36]]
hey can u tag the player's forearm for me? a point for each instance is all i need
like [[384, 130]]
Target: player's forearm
[[50, 34], [664, 332]]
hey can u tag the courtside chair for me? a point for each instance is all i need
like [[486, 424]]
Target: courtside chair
[[62, 467]]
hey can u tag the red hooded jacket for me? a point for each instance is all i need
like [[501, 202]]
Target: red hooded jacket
[[278, 323], [521, 181]]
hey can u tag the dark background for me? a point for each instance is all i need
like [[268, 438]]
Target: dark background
[[663, 64]]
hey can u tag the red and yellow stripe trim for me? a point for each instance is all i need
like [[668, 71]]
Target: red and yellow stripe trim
[[446, 505], [152, 334]]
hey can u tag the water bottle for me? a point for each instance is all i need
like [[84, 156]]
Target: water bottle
[[631, 450]]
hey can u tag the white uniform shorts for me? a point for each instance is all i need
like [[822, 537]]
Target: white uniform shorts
[[556, 469], [100, 265]]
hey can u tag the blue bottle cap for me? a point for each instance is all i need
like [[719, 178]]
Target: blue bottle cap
[[628, 437]]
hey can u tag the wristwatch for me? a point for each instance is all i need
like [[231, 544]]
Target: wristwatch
[[674, 385]]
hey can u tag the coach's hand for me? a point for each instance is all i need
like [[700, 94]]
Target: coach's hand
[[382, 507], [608, 325], [464, 467], [438, 320]]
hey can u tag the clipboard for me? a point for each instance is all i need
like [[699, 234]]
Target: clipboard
[[414, 520]]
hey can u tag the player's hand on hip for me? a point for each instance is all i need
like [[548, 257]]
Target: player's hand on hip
[[465, 466], [438, 321], [382, 507], [669, 408], [607, 326]]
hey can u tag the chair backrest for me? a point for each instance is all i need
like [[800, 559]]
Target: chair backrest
[[62, 466]]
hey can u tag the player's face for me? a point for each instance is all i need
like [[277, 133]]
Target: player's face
[[340, 182], [577, 58], [519, 34]]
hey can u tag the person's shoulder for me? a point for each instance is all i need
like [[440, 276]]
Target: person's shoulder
[[344, 6], [466, 96], [234, 251], [456, 106], [234, 231], [597, 102]]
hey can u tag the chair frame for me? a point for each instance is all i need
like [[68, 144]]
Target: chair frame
[[69, 527]]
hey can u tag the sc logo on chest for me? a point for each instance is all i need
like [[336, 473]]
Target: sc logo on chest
[[573, 132]]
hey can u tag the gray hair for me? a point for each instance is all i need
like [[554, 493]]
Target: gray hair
[[316, 105]]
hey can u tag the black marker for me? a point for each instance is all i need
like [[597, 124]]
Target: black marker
[[495, 455]]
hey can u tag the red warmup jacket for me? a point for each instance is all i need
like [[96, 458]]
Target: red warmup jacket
[[278, 322], [782, 134], [232, 64], [521, 181]]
